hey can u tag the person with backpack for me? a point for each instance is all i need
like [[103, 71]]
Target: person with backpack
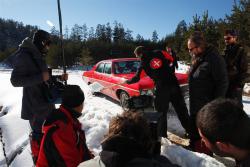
[[156, 64], [63, 143], [237, 66], [30, 71]]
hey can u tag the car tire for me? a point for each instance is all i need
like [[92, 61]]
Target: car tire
[[124, 101]]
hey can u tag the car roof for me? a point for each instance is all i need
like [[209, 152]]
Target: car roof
[[120, 59]]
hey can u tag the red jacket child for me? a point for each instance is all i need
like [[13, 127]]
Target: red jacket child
[[63, 143]]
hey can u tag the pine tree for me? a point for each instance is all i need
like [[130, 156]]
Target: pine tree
[[240, 20], [154, 36]]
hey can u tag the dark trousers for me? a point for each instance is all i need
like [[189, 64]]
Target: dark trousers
[[196, 144], [194, 134], [164, 94], [35, 137], [235, 94]]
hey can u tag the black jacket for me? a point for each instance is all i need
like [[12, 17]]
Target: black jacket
[[157, 67], [28, 74], [207, 79], [236, 61]]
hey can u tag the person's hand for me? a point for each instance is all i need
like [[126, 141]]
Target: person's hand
[[64, 77], [45, 76]]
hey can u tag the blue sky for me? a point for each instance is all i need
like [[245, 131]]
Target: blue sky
[[140, 16]]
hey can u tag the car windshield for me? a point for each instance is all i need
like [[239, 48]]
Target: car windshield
[[126, 67]]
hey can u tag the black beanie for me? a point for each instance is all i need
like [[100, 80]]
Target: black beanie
[[39, 37], [72, 96]]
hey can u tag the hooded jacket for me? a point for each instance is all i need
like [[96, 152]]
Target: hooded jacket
[[63, 143], [28, 64], [121, 151], [207, 79]]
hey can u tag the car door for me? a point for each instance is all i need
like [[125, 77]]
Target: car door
[[107, 78], [98, 73]]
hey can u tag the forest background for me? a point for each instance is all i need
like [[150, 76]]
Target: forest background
[[85, 45]]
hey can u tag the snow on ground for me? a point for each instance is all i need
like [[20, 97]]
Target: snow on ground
[[182, 67], [246, 102], [97, 112]]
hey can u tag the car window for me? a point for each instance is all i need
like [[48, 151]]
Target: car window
[[100, 68], [126, 67], [107, 68]]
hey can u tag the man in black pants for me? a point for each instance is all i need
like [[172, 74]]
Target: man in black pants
[[30, 71], [156, 65], [207, 81], [237, 65]]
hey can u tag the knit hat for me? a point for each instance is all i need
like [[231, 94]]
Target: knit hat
[[40, 39], [41, 35], [72, 96]]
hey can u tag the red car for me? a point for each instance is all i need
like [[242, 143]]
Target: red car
[[108, 73]]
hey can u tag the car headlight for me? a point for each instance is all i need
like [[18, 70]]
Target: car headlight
[[148, 92]]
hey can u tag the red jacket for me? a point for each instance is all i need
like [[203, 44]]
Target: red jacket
[[63, 143]]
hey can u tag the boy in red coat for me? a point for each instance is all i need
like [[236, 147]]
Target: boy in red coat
[[63, 143]]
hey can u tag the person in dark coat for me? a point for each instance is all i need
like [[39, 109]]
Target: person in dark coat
[[156, 64], [175, 59], [128, 144], [237, 65], [225, 129], [63, 143], [207, 80], [30, 71]]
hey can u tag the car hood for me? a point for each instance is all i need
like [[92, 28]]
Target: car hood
[[147, 83], [144, 83]]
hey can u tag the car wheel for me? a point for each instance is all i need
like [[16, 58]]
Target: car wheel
[[124, 101]]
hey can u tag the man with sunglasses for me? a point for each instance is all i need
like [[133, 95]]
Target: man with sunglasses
[[207, 81], [236, 60], [30, 71]]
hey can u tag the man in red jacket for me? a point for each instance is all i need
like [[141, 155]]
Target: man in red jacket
[[63, 142]]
